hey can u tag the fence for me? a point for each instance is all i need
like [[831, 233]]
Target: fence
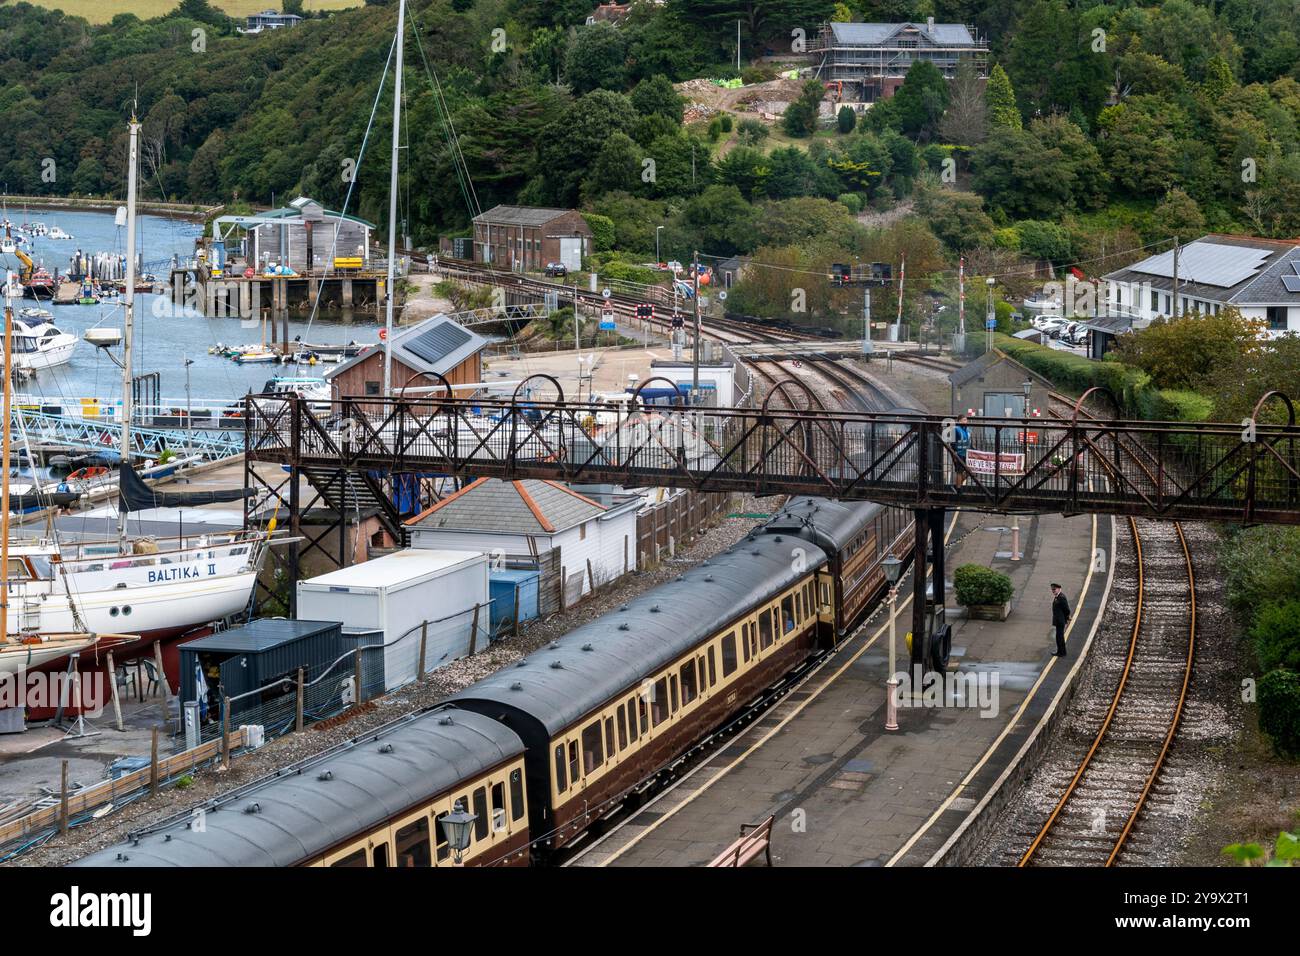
[[661, 527]]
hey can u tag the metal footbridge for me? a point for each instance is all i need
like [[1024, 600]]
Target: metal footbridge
[[86, 435], [1245, 472]]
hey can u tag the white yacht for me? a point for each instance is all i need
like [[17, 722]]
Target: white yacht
[[41, 344]]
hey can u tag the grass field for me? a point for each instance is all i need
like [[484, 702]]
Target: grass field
[[101, 11]]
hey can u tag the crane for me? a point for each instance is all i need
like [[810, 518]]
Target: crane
[[24, 274]]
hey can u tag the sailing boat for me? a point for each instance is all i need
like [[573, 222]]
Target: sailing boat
[[30, 649], [156, 588]]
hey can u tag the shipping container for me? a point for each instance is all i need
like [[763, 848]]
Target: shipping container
[[258, 654], [406, 595]]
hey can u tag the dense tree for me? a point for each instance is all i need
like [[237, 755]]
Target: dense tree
[[1177, 215], [578, 135], [800, 118], [719, 221], [657, 96], [921, 100], [597, 59], [1054, 61], [1001, 99], [1020, 176], [846, 119], [957, 218]]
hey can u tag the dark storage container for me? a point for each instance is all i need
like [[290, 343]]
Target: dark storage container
[[258, 653]]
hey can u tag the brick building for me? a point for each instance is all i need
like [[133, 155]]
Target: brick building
[[522, 238]]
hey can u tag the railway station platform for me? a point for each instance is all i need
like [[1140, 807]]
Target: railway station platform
[[846, 792]]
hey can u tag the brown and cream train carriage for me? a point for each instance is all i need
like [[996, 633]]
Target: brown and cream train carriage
[[374, 802], [608, 706], [856, 536]]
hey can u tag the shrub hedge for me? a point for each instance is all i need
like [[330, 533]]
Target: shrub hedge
[[976, 584], [1279, 709]]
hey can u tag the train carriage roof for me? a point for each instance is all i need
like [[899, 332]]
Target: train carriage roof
[[562, 683], [297, 815], [832, 524]]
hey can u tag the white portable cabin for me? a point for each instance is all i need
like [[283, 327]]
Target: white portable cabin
[[398, 593]]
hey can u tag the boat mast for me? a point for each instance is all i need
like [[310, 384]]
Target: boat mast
[[392, 201], [4, 460], [129, 331]]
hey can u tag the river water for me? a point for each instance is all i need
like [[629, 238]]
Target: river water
[[164, 337]]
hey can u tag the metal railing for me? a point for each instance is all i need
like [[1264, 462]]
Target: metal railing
[[1239, 472]]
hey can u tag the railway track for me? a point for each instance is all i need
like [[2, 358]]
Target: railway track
[[1098, 817]]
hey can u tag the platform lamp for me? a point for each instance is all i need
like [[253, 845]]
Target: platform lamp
[[893, 571], [455, 827]]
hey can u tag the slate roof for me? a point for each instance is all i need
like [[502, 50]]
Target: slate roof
[[295, 816], [973, 370], [1201, 262], [520, 215], [531, 506], [878, 34], [437, 344]]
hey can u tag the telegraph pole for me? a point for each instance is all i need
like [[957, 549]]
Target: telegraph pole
[[959, 343], [695, 379], [867, 347]]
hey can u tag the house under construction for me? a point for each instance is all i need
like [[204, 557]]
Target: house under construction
[[865, 62]]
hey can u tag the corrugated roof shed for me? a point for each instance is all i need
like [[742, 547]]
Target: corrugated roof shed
[[531, 506]]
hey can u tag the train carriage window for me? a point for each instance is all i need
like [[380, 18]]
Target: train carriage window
[[516, 794], [609, 736], [689, 686], [787, 614], [672, 690], [481, 811], [573, 762], [659, 701], [641, 708], [713, 674], [744, 641], [729, 655], [631, 720], [622, 729], [413, 844], [561, 784], [498, 807], [357, 859], [441, 847], [765, 630], [593, 755]]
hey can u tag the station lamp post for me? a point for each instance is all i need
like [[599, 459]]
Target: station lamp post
[[455, 827], [893, 570], [990, 321], [1027, 387]]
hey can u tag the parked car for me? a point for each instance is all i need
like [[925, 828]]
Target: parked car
[[556, 269]]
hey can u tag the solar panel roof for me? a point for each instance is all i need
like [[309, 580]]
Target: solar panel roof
[[1207, 263], [435, 344]]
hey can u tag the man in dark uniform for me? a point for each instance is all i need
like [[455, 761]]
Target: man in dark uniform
[[1060, 617]]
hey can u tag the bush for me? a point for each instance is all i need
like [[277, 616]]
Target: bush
[[853, 202], [846, 119], [1279, 710], [757, 74], [725, 121], [1174, 405], [715, 129], [752, 132], [1276, 635], [976, 584], [1076, 374], [1259, 565]]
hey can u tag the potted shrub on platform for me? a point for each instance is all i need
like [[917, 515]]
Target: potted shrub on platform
[[985, 593]]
